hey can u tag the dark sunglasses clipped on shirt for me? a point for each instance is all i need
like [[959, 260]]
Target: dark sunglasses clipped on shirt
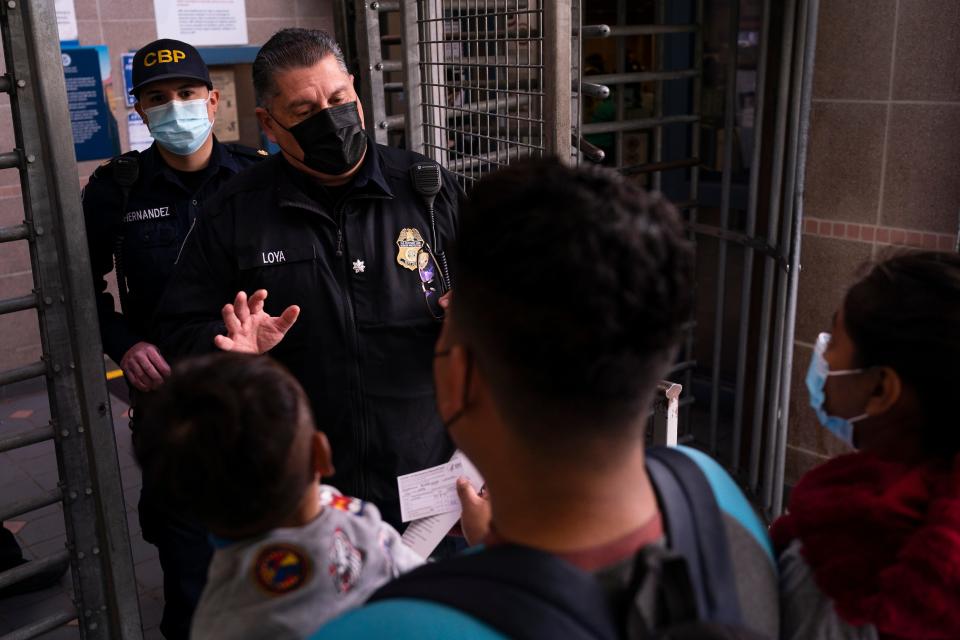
[[430, 282]]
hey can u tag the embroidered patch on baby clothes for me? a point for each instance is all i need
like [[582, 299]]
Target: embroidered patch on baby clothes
[[281, 568], [330, 498]]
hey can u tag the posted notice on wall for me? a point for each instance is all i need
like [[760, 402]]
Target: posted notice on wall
[[66, 20], [227, 125], [202, 22], [138, 133], [89, 87]]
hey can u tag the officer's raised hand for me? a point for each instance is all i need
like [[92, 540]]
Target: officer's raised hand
[[250, 329], [144, 367]]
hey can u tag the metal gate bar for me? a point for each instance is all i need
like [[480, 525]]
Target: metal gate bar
[[797, 174], [780, 329], [656, 165], [746, 284], [729, 114], [72, 363], [759, 433]]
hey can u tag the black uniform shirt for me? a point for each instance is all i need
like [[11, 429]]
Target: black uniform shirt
[[149, 231], [363, 345]]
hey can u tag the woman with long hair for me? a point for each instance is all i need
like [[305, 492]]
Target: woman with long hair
[[870, 546]]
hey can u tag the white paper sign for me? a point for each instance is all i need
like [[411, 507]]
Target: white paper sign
[[425, 534], [202, 22], [139, 133], [67, 19]]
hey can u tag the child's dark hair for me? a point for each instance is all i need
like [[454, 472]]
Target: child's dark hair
[[905, 314], [223, 441]]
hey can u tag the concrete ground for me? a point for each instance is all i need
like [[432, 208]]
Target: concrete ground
[[28, 471]]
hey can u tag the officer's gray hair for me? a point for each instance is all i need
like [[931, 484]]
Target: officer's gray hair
[[291, 49]]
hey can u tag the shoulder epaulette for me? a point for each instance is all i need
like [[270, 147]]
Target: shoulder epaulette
[[246, 152], [334, 500]]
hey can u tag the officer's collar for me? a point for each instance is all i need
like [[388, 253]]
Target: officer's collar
[[371, 172], [154, 167], [369, 182]]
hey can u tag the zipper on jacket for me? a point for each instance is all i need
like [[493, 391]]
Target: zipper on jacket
[[353, 340]]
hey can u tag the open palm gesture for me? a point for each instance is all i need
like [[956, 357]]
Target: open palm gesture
[[250, 329]]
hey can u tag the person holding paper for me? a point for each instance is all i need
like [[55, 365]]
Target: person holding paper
[[573, 285], [333, 229], [231, 440]]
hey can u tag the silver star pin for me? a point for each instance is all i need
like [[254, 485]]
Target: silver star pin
[[358, 266]]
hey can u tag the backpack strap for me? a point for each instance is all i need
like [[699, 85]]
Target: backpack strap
[[521, 592], [696, 530]]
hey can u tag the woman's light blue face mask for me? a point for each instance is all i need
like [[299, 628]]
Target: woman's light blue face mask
[[817, 376], [180, 127]]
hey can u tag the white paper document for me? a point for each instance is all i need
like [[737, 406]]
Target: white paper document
[[202, 22], [66, 19], [433, 493]]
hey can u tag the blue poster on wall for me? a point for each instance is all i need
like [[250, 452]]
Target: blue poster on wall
[[126, 61], [95, 133]]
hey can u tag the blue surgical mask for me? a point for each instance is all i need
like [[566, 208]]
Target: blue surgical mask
[[817, 376], [180, 127]]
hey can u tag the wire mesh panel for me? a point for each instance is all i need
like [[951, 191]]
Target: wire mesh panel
[[485, 79]]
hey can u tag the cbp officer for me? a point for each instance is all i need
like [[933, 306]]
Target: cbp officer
[[138, 208], [335, 230]]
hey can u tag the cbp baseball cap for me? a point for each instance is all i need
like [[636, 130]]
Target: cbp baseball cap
[[164, 59]]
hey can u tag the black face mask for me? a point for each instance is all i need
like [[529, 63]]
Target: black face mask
[[332, 139]]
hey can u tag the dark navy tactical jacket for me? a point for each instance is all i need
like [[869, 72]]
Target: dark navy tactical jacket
[[363, 345], [150, 230]]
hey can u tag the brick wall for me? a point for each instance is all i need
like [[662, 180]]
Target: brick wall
[[882, 164], [122, 25]]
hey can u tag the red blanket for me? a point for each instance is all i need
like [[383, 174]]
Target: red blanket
[[883, 541]]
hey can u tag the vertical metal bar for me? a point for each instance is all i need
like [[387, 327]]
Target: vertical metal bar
[[773, 229], [780, 347], [800, 167], [371, 78], [746, 285], [555, 58], [95, 521], [695, 152], [659, 55], [434, 74], [621, 67], [412, 84], [576, 117], [729, 116]]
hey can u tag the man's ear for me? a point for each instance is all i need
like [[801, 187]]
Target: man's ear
[[886, 392], [322, 455], [266, 124], [451, 381], [213, 97]]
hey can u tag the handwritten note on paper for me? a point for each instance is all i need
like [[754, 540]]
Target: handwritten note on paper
[[425, 534], [431, 491]]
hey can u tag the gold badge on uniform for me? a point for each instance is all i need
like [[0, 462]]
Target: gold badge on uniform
[[409, 243]]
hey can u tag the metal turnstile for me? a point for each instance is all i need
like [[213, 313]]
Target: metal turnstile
[[486, 82], [89, 490]]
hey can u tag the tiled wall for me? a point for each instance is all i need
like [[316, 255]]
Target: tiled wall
[[883, 159], [122, 25]]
